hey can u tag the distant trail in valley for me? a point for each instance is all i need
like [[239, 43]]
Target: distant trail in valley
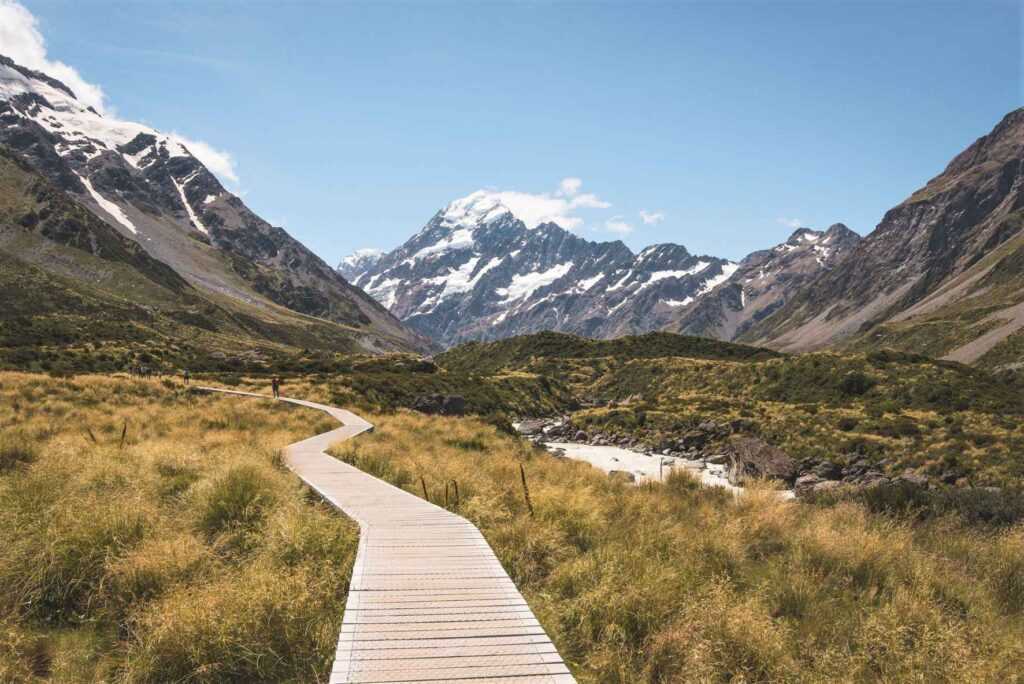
[[428, 601]]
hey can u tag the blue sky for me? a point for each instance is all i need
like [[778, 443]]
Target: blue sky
[[351, 124]]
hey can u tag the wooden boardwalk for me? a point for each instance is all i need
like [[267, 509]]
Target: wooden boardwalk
[[428, 601]]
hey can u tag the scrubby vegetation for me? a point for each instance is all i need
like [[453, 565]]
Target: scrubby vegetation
[[489, 357], [152, 535], [954, 423], [677, 583]]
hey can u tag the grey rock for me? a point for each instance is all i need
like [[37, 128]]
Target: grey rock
[[751, 457], [805, 484], [530, 427], [827, 470], [914, 479]]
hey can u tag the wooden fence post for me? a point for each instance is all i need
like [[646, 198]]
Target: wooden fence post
[[526, 490]]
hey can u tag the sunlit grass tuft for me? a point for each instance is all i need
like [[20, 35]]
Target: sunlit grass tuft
[[184, 554]]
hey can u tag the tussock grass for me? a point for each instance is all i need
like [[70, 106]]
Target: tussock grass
[[188, 554], [678, 583]]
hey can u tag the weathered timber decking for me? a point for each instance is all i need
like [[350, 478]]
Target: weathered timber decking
[[428, 601]]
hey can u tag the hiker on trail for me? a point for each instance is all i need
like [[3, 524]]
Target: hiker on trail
[[185, 376], [275, 384]]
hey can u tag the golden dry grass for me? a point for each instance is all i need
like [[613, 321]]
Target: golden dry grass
[[676, 584], [188, 554]]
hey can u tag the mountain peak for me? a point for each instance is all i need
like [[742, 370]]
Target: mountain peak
[[480, 207], [31, 75], [359, 262], [801, 235]]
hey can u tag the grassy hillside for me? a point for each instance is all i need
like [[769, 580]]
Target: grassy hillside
[[75, 294], [980, 301], [676, 583], [180, 552]]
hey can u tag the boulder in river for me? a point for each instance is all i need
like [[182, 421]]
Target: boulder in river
[[622, 475], [751, 457], [531, 427]]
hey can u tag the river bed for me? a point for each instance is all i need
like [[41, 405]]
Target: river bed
[[647, 467]]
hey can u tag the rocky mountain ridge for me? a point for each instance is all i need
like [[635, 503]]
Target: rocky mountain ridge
[[148, 186], [478, 272], [942, 273]]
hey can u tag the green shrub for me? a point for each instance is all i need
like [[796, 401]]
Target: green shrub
[[239, 499], [856, 383]]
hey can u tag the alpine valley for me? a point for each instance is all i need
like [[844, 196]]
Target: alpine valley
[[942, 273]]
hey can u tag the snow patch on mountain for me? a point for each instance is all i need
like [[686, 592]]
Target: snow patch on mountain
[[193, 217], [662, 275], [112, 209], [459, 239], [711, 283], [385, 292], [587, 283], [523, 285]]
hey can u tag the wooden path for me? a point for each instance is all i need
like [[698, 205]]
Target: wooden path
[[428, 601]]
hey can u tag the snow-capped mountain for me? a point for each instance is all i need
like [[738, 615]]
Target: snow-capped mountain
[[359, 262], [152, 189], [477, 271]]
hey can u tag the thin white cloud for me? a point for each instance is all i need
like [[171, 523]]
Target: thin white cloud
[[21, 40], [534, 209], [617, 224], [221, 163], [790, 222], [569, 186], [651, 217], [588, 201]]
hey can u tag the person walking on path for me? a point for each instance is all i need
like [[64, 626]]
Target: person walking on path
[[275, 384], [185, 376]]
